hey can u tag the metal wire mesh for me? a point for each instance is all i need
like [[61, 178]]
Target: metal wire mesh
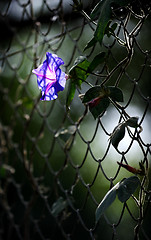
[[57, 165]]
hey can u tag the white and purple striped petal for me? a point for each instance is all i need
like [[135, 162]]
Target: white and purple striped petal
[[50, 78]]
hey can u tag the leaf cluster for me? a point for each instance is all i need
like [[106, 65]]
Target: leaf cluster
[[79, 72], [123, 190], [98, 98], [103, 12]]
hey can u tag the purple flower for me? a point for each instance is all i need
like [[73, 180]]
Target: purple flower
[[50, 78]]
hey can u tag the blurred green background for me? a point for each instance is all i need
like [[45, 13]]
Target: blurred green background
[[33, 133]]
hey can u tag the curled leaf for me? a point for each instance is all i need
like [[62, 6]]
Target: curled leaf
[[117, 135], [127, 187], [106, 202], [132, 122], [58, 206], [119, 132]]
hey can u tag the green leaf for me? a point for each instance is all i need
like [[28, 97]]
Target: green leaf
[[96, 98], [116, 94], [119, 132], [100, 108], [70, 92], [96, 11], [127, 187], [3, 172], [122, 3], [58, 206], [94, 92], [114, 26], [78, 74], [132, 122], [110, 30], [91, 43], [117, 135], [104, 12], [106, 202], [96, 61], [6, 169], [77, 61], [123, 189]]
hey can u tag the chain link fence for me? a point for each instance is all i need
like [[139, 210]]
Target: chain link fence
[[57, 164]]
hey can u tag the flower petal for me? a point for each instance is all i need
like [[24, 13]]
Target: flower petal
[[50, 78], [61, 78], [53, 61], [49, 94]]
